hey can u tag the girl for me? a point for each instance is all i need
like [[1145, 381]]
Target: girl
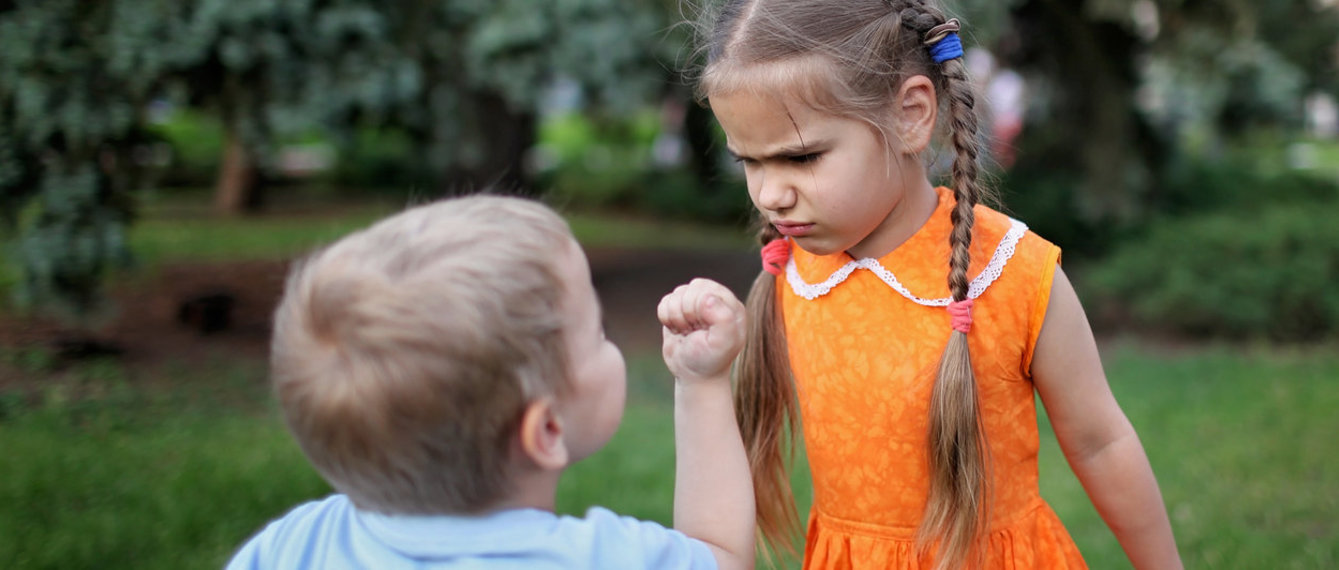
[[923, 455]]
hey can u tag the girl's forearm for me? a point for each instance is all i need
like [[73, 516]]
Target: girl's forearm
[[713, 489], [1120, 481]]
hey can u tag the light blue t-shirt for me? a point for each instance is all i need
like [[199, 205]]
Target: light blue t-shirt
[[332, 534]]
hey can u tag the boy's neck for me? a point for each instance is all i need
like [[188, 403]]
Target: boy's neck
[[537, 489]]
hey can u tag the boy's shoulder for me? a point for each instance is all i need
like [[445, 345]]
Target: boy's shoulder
[[331, 533]]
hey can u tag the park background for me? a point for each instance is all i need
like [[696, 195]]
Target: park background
[[161, 162]]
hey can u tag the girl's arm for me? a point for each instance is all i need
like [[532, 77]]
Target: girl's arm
[[1096, 437], [713, 489]]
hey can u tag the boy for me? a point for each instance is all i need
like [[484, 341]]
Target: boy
[[443, 367]]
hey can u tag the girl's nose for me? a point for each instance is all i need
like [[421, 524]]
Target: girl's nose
[[774, 193]]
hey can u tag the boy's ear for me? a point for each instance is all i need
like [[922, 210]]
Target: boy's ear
[[917, 110], [541, 435]]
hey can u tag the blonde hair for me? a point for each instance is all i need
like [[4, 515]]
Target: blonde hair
[[847, 59], [404, 354]]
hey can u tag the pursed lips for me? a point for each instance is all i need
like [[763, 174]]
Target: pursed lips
[[792, 229]]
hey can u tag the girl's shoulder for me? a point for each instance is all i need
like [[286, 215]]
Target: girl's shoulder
[[1005, 242]]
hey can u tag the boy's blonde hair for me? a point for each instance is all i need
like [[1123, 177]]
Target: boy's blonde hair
[[404, 354]]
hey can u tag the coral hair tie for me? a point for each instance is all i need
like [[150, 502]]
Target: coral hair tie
[[775, 255], [962, 315]]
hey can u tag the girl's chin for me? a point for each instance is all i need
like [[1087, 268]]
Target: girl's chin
[[815, 246]]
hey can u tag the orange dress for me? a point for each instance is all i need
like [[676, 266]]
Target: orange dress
[[864, 356]]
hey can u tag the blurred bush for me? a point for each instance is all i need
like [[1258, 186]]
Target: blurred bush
[[196, 142], [594, 163], [1246, 179], [609, 163], [378, 161], [1261, 272]]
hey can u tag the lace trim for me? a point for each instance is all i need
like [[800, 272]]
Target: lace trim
[[1003, 252]]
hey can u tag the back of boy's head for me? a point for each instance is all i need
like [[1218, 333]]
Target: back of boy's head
[[403, 354]]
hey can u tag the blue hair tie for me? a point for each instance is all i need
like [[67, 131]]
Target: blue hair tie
[[950, 47]]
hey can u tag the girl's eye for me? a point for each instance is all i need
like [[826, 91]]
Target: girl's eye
[[804, 158]]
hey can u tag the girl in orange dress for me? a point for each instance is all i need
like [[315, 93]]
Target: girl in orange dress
[[914, 323]]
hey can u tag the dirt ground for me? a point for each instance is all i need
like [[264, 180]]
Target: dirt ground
[[163, 318]]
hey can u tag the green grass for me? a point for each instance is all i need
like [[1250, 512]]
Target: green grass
[[174, 229], [1242, 445], [104, 474]]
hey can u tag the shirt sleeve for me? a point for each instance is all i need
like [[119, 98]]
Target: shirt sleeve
[[264, 550]]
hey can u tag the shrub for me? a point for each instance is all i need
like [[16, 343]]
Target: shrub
[[196, 140], [1239, 274]]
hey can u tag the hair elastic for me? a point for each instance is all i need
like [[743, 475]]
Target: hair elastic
[[962, 315], [775, 255], [944, 42]]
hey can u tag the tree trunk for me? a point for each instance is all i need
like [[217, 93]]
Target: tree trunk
[[1093, 128], [503, 137], [235, 189], [701, 137]]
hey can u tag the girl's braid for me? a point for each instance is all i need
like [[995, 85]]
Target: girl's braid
[[962, 130], [956, 515], [768, 412]]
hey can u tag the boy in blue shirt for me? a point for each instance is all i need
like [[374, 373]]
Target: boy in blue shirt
[[443, 367]]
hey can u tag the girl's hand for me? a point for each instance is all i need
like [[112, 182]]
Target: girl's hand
[[704, 330]]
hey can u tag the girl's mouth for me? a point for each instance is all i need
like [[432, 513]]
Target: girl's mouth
[[792, 229]]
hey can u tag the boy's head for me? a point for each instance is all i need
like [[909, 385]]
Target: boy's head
[[407, 356]]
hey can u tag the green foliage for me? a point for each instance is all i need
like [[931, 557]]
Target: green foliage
[[603, 162], [594, 163], [1246, 180], [74, 235], [77, 76], [1267, 272], [69, 90], [196, 143]]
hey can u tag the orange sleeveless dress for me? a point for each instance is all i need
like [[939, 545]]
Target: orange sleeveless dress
[[864, 357]]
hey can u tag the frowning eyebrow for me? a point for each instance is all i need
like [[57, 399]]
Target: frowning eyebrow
[[787, 151]]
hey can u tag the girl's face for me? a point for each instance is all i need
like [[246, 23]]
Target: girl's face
[[829, 183]]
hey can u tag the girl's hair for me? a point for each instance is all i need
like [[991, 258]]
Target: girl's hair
[[404, 354], [847, 59]]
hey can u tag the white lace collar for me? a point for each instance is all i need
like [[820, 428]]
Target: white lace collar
[[1003, 252]]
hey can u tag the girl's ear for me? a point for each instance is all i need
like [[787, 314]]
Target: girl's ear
[[541, 436], [917, 109]]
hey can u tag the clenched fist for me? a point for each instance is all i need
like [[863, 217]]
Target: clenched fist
[[704, 330]]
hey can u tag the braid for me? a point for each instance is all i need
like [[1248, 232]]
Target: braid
[[768, 412], [956, 513], [962, 128]]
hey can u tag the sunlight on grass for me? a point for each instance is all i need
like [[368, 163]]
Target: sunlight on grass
[[190, 233], [158, 240]]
